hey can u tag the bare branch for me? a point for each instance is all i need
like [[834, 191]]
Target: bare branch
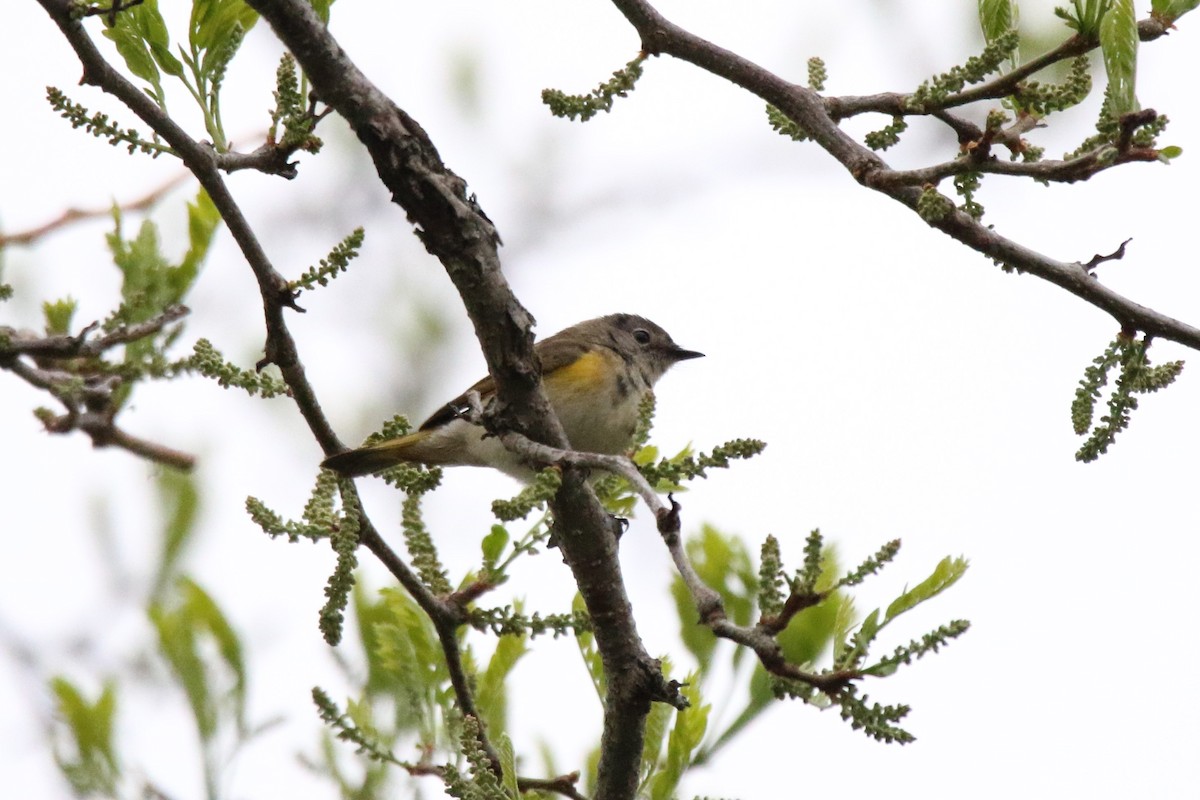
[[63, 346], [104, 433], [809, 111], [268, 158], [1115, 255], [72, 215], [88, 410], [563, 784], [87, 392]]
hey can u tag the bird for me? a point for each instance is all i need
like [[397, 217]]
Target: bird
[[595, 375]]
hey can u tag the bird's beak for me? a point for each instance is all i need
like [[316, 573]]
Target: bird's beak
[[679, 354]]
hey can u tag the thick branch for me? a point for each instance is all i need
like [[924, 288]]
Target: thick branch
[[456, 231], [808, 110]]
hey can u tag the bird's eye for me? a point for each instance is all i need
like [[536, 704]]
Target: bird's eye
[[641, 336]]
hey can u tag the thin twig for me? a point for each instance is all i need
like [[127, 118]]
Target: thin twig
[[708, 602], [73, 215], [896, 103], [1115, 255], [79, 345], [87, 396], [804, 106], [103, 431], [269, 159], [563, 784], [1076, 169]]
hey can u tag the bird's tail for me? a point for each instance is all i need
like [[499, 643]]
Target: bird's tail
[[376, 457]]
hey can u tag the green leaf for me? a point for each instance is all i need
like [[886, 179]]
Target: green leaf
[[761, 696], [655, 737], [508, 765], [134, 51], [1119, 44], [94, 769], [1167, 153], [587, 649], [1171, 10], [212, 23], [144, 290], [945, 575], [408, 649], [180, 502], [153, 30], [203, 220], [208, 614], [997, 17], [177, 642], [686, 736], [870, 626], [58, 315], [141, 37], [369, 616], [492, 695], [322, 9], [179, 627], [493, 545]]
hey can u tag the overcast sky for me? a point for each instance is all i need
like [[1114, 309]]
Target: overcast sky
[[906, 387]]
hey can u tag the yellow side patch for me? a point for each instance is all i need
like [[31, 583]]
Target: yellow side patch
[[588, 373]]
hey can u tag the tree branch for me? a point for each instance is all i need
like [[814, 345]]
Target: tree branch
[[64, 346], [455, 230], [68, 367], [72, 215], [281, 350], [202, 162], [809, 111], [563, 784], [760, 638], [103, 431], [895, 103], [1055, 171]]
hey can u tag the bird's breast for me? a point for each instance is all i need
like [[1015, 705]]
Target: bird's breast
[[596, 398]]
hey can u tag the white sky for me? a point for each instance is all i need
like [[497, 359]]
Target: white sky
[[907, 388]]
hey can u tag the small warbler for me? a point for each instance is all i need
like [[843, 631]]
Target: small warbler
[[595, 375]]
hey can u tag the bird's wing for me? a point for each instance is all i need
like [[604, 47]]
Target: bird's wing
[[458, 406], [554, 354]]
